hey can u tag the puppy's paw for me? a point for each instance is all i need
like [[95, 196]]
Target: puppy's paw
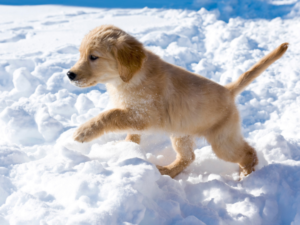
[[244, 172], [84, 134], [164, 170]]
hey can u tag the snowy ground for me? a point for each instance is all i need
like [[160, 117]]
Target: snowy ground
[[268, 9], [47, 178]]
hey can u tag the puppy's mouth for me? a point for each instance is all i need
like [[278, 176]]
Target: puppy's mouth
[[77, 83], [83, 83]]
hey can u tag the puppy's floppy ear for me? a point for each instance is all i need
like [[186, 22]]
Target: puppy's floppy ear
[[130, 56]]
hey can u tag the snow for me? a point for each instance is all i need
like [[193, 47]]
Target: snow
[[48, 178], [268, 9]]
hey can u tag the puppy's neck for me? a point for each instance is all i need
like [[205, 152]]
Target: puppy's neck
[[134, 82], [124, 94]]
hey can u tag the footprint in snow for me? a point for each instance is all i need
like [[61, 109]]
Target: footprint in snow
[[32, 54], [10, 22], [70, 49], [78, 13], [54, 22], [14, 38], [22, 28]]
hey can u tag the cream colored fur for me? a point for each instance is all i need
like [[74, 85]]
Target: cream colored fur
[[151, 94]]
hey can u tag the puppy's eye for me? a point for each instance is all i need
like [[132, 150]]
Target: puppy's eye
[[93, 58]]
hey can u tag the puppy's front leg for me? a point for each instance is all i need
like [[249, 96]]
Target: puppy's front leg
[[133, 138], [109, 121], [185, 156]]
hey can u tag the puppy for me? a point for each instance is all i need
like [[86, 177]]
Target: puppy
[[151, 94]]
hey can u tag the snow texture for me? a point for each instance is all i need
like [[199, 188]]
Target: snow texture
[[47, 178], [268, 9]]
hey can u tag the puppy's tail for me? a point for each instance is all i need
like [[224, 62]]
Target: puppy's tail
[[246, 78]]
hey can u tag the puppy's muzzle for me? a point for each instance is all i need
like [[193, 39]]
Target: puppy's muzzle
[[71, 75]]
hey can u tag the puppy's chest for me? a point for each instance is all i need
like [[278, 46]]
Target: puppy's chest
[[138, 99]]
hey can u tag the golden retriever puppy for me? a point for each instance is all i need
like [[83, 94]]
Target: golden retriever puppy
[[150, 94]]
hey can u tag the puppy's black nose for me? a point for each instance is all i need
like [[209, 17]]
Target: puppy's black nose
[[71, 75]]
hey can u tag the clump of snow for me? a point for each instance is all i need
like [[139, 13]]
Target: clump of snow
[[48, 178], [83, 104]]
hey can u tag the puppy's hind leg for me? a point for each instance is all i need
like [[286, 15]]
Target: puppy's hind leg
[[136, 138], [185, 156], [248, 161], [228, 144]]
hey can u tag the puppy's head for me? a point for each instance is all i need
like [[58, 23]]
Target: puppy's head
[[107, 54]]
